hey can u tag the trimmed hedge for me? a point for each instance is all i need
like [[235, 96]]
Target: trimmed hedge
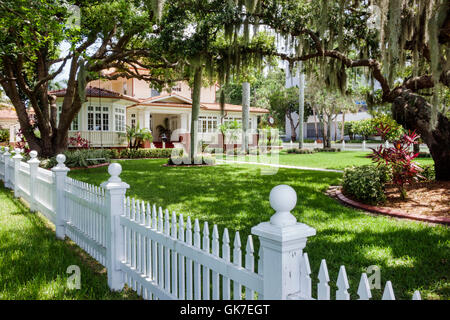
[[146, 153], [79, 158], [327, 149], [366, 183], [301, 151]]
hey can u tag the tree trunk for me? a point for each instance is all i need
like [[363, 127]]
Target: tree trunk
[[291, 122], [329, 123], [315, 123], [195, 110], [343, 126], [301, 105], [414, 112], [245, 115]]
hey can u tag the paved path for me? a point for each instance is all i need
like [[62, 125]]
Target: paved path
[[280, 166]]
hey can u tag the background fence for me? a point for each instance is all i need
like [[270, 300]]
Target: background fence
[[165, 256]]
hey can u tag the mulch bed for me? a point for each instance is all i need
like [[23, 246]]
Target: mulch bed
[[427, 201]]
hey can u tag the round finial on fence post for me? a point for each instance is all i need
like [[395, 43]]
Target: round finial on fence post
[[17, 151], [114, 169], [33, 154], [283, 199], [61, 158]]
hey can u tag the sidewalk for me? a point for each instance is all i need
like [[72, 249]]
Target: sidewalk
[[280, 166]]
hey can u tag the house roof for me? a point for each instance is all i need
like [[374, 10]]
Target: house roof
[[97, 92], [179, 101], [171, 100], [8, 113], [231, 107]]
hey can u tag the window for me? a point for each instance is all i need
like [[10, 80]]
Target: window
[[207, 124], [98, 118], [124, 88], [133, 120], [74, 125], [119, 119]]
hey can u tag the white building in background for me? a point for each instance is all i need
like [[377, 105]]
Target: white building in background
[[309, 128]]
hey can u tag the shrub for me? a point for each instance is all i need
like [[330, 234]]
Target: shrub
[[327, 149], [301, 151], [398, 158], [424, 154], [80, 158], [149, 153], [428, 172], [4, 135], [185, 160], [366, 183]]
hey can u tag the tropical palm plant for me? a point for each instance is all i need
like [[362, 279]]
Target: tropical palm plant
[[163, 130], [137, 136]]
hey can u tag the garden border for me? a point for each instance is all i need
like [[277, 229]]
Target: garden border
[[390, 212]]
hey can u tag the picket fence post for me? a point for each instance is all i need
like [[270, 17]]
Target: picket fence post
[[17, 158], [282, 241], [60, 174], [115, 190], [6, 159], [34, 163]]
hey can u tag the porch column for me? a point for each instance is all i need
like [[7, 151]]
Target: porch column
[[141, 119], [147, 119]]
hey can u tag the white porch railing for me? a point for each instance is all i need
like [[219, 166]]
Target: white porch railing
[[102, 138], [164, 256]]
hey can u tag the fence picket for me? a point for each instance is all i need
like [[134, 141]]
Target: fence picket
[[215, 275], [189, 275], [205, 270], [416, 295], [305, 278], [167, 253], [154, 264], [226, 287], [260, 270], [364, 288], [388, 293], [237, 260], [174, 257], [342, 284], [249, 265], [160, 250], [197, 280], [323, 289], [181, 261]]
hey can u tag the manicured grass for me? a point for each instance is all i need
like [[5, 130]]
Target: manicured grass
[[413, 255], [326, 160], [33, 262]]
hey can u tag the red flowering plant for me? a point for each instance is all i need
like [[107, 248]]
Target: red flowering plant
[[398, 158], [21, 142], [79, 142]]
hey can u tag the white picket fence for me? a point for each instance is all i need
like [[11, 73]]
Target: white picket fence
[[164, 256]]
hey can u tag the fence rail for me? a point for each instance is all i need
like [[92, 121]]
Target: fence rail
[[165, 256]]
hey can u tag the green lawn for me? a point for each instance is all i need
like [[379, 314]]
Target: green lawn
[[33, 263], [327, 160], [413, 255]]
